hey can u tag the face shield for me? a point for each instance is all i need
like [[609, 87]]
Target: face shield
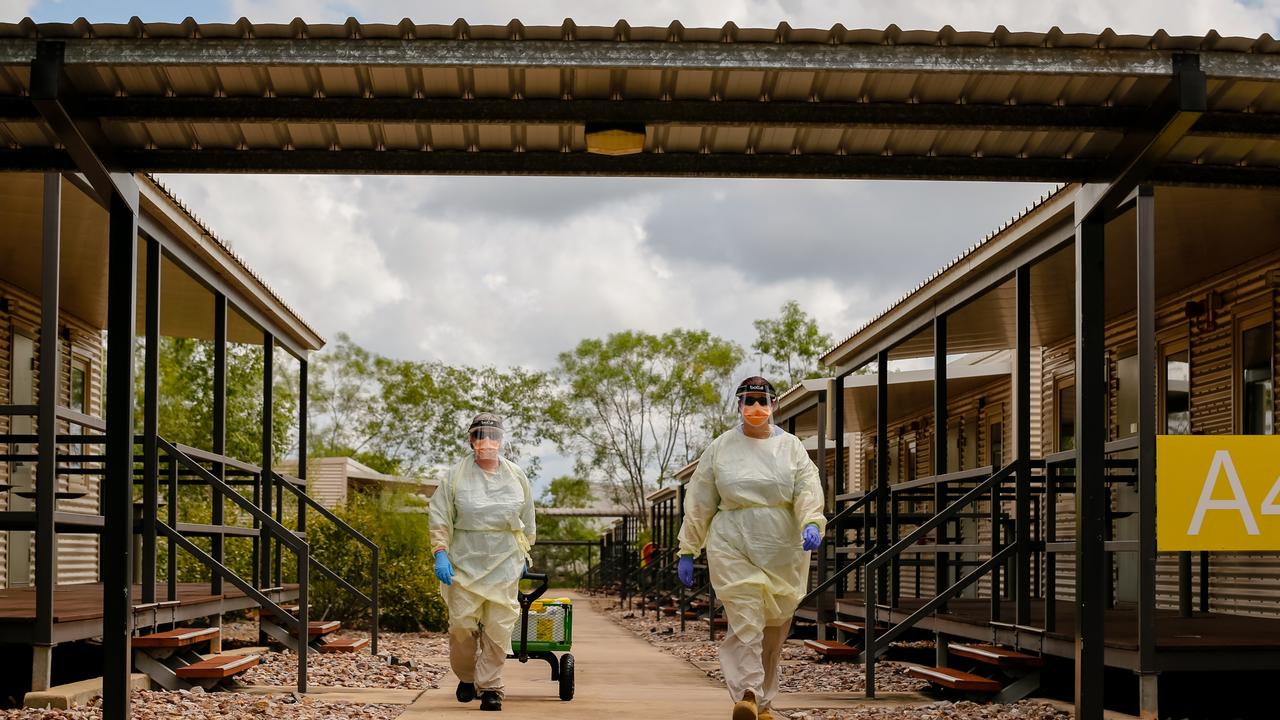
[[756, 399], [485, 435], [487, 442], [756, 409]]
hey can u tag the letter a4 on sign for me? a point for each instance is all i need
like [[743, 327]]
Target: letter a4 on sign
[[1217, 492]]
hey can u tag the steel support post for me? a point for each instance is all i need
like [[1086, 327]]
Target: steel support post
[[117, 491], [1146, 286], [941, 574], [171, 572], [302, 441], [268, 379], [46, 540], [1022, 576], [151, 424], [1184, 584], [882, 468], [840, 478], [1091, 519], [823, 476], [219, 440]]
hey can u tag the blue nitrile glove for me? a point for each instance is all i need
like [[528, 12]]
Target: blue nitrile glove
[[812, 538], [685, 570], [444, 568]]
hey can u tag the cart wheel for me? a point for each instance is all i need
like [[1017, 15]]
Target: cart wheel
[[566, 677]]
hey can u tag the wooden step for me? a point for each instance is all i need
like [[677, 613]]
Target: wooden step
[[691, 615], [217, 667], [996, 655], [849, 627], [668, 610], [720, 622], [954, 679], [318, 628], [344, 645], [181, 637], [833, 649]]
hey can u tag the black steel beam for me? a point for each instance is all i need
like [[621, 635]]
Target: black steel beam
[[47, 419], [1091, 509], [447, 162], [841, 479], [540, 163], [117, 487], [1143, 148], [1022, 441], [1147, 430], [541, 111], [219, 439], [151, 423], [882, 468], [302, 439], [941, 566], [83, 139]]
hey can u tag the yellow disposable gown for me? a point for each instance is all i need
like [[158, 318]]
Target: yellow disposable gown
[[747, 503], [485, 521]]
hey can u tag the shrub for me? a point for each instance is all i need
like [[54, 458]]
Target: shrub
[[409, 596]]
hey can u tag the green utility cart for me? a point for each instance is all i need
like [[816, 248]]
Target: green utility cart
[[545, 628]]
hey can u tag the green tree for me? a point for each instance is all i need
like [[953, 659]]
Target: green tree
[[186, 418], [567, 564], [641, 405], [791, 344], [409, 596], [407, 417]]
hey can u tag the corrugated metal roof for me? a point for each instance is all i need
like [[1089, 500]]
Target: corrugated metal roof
[[829, 357], [890, 96], [228, 251], [837, 34]]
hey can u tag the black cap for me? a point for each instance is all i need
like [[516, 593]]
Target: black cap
[[756, 384], [486, 420]]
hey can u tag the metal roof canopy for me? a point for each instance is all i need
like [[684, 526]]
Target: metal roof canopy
[[722, 102]]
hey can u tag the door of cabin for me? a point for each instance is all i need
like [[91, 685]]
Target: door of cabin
[[22, 474]]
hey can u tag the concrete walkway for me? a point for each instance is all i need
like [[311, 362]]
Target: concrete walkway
[[619, 677]]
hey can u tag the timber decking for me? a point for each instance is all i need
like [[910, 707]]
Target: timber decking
[[75, 603]]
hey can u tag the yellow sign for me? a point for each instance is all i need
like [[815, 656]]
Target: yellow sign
[[1217, 492]]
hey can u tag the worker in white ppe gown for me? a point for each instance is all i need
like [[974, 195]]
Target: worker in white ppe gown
[[755, 503], [482, 526]]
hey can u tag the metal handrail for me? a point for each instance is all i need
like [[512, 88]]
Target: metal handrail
[[269, 523], [372, 599], [286, 537]]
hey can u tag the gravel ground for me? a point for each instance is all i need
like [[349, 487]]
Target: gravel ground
[[797, 674], [411, 670], [1025, 710], [198, 705]]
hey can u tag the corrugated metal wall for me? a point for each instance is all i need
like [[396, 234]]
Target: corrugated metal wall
[[1243, 583], [327, 481], [77, 557]]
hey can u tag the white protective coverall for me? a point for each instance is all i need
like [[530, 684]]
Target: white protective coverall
[[748, 503], [485, 521]]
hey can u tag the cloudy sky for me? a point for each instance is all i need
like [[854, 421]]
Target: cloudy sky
[[510, 271], [515, 270]]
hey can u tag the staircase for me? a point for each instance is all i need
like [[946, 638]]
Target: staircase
[[994, 673], [172, 660], [172, 656]]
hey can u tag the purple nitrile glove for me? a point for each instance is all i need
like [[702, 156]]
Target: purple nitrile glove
[[812, 538], [685, 570]]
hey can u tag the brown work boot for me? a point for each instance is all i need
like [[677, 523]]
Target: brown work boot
[[745, 709], [765, 714]]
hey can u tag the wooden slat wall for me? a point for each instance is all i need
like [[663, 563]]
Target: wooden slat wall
[[77, 554], [1240, 583]]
